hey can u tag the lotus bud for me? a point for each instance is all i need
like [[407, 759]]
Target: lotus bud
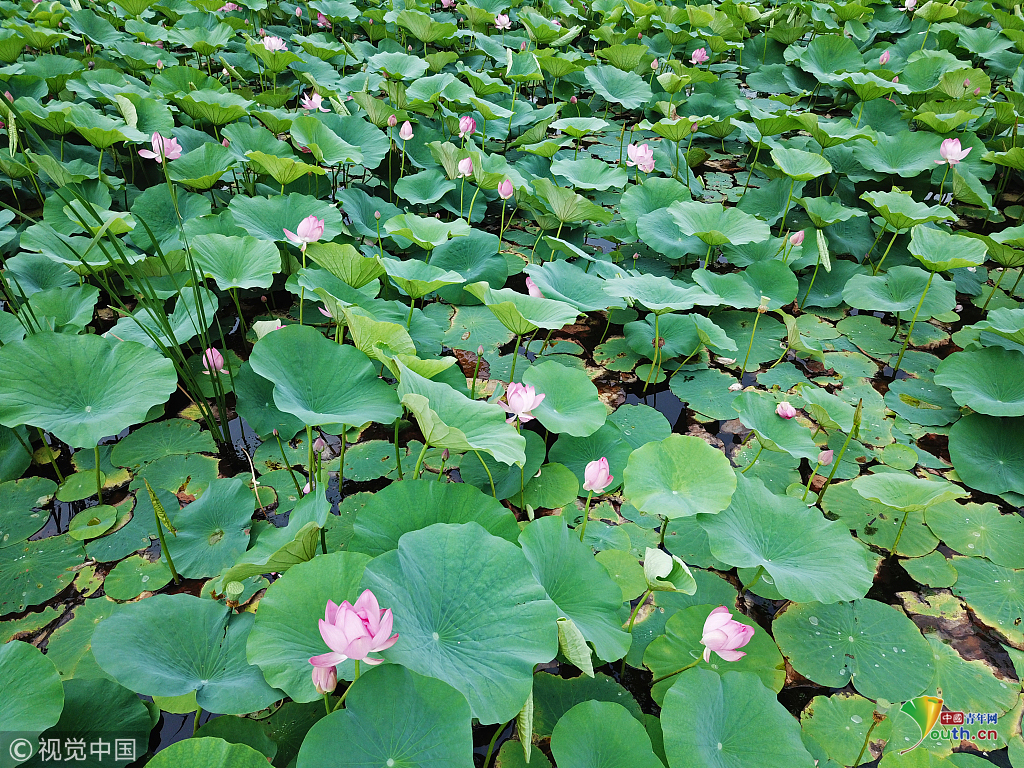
[[405, 132], [796, 239], [325, 679], [505, 189], [319, 445], [654, 65], [910, 4], [263, 299], [466, 167], [213, 360], [445, 454], [376, 215], [977, 91], [639, 35], [159, 63], [522, 46], [392, 121], [224, 142], [596, 476], [298, 13], [896, 79], [275, 433], [884, 58], [967, 82], [785, 410], [572, 100], [825, 458]]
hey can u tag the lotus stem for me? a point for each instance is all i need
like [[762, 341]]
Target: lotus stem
[[811, 284], [412, 306], [476, 371], [657, 352], [490, 747], [341, 469], [472, 202], [419, 461], [757, 150], [398, 452], [195, 722], [876, 719], [288, 464], [309, 446], [750, 346], [691, 665], [878, 266], [789, 200], [494, 493], [757, 575], [515, 356], [632, 618], [756, 457], [913, 320], [942, 185], [839, 458], [99, 482], [810, 480], [899, 533], [50, 456], [995, 287], [586, 515]]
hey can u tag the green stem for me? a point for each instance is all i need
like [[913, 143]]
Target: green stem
[[942, 185], [750, 346], [899, 533], [357, 671], [343, 696], [494, 493], [879, 265], [810, 285], [835, 466], [867, 737], [288, 464], [586, 515], [327, 702], [50, 456], [195, 722], [419, 461], [657, 351], [913, 320], [99, 483], [636, 609], [995, 288], [810, 480], [757, 575], [398, 452], [752, 463], [163, 547], [471, 203], [490, 747], [678, 671], [750, 170], [785, 213], [515, 356]]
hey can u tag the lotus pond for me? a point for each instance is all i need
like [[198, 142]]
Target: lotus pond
[[600, 385]]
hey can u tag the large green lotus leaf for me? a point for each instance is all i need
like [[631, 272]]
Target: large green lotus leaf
[[305, 367], [579, 586], [899, 290], [566, 205], [286, 633], [33, 696], [417, 278], [521, 313], [938, 250], [980, 530], [237, 262], [901, 211], [33, 572], [202, 167], [877, 524], [867, 643], [800, 165], [18, 502], [346, 263], [449, 419], [393, 716], [906, 154], [825, 211], [172, 645], [254, 396], [267, 217], [653, 195], [171, 437], [415, 504], [326, 146], [717, 225], [601, 734], [14, 459], [970, 684], [614, 85], [564, 281], [730, 290], [590, 173], [840, 723], [827, 55], [576, 452], [922, 402], [424, 188], [757, 412], [706, 392], [994, 593], [989, 380], [208, 752], [681, 646], [104, 385], [806, 556], [660, 294], [679, 476], [554, 696], [476, 258], [988, 453], [468, 612], [426, 231], [905, 491], [213, 530], [1003, 327], [571, 404], [707, 724]]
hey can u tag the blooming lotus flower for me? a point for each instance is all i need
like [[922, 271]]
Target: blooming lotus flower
[[825, 458], [533, 290], [884, 58], [325, 679], [392, 121], [467, 126], [405, 132], [228, 7], [785, 410], [313, 102], [521, 399], [797, 238], [447, 3], [163, 149], [310, 230], [951, 152], [642, 156], [596, 476], [502, 22], [700, 56], [466, 167], [213, 360], [355, 631], [274, 44], [910, 5], [723, 635], [505, 189], [321, 20]]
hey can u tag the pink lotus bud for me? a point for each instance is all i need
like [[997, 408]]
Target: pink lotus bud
[[522, 46], [213, 360], [654, 65], [298, 13], [321, 20], [533, 290], [785, 410], [355, 631], [572, 100], [967, 83], [405, 132], [466, 167], [480, 351], [596, 476], [521, 399], [224, 142], [445, 455], [392, 121], [977, 91], [910, 4], [505, 189], [825, 458], [319, 445], [159, 63], [376, 215], [896, 79], [723, 635], [325, 679], [796, 238], [884, 58]]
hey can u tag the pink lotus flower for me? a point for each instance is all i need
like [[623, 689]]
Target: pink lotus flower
[[355, 631], [224, 142], [521, 399], [522, 46], [310, 230], [325, 679], [466, 167], [405, 132], [642, 156], [163, 149], [825, 458], [274, 44], [502, 22], [797, 238], [572, 99], [447, 3], [884, 58], [785, 410], [467, 126], [229, 7], [910, 4], [322, 21], [313, 102], [951, 152], [596, 476], [533, 290], [700, 56], [298, 13], [213, 360], [654, 65], [505, 189], [723, 635], [392, 121]]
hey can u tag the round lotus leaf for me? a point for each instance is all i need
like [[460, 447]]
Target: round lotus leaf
[[905, 491], [706, 391], [840, 724], [171, 645], [988, 453], [717, 225], [33, 697], [393, 716], [163, 438], [414, 504], [706, 721], [92, 522], [240, 730], [808, 557], [878, 524], [468, 612], [509, 479], [899, 290], [135, 575], [286, 633], [304, 367], [564, 281], [18, 501], [989, 380], [571, 404], [266, 218], [553, 696], [208, 752], [640, 424], [679, 476], [70, 645], [980, 530], [613, 84], [601, 734], [800, 165], [32, 572], [213, 531], [680, 646], [624, 570], [938, 250], [922, 402], [994, 593], [104, 385], [255, 403], [872, 645], [971, 684], [576, 452]]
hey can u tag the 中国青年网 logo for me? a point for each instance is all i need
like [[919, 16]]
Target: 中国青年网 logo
[[947, 725]]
